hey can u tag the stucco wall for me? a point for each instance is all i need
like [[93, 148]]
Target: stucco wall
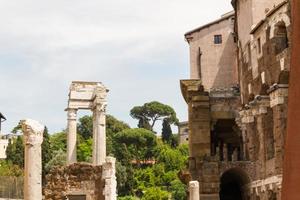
[[218, 68]]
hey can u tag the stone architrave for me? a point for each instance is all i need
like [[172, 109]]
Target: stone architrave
[[72, 136], [194, 190], [33, 138]]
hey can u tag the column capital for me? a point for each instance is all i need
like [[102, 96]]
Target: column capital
[[194, 184], [33, 132], [72, 113], [100, 107]]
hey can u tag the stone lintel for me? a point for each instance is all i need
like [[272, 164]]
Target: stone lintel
[[82, 94]]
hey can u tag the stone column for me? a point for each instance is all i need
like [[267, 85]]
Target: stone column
[[33, 138], [99, 134], [72, 136], [109, 176], [194, 190]]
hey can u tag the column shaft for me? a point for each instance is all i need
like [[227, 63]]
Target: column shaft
[[33, 138], [99, 135], [72, 136]]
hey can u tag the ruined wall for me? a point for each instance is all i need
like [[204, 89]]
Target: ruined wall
[[183, 133], [76, 179], [270, 55]]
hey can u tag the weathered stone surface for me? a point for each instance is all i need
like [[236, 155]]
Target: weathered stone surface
[[33, 138], [92, 96], [240, 128], [77, 178], [194, 190]]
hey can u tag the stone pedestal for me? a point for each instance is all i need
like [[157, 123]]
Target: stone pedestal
[[194, 190], [72, 136], [33, 138], [99, 135]]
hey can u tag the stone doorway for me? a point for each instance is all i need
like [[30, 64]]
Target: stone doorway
[[233, 185]]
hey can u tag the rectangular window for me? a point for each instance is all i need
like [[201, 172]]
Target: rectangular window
[[259, 45], [218, 39]]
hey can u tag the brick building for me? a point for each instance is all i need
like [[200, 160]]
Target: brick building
[[237, 101]]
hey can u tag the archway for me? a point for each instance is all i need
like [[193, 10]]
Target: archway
[[233, 185], [281, 37]]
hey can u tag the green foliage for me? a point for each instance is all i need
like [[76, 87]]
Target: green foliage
[[19, 153], [58, 141], [17, 128], [15, 152], [9, 169], [85, 134], [166, 132], [46, 151], [84, 151], [174, 159], [85, 127], [128, 198], [144, 123], [113, 126], [10, 150], [151, 112], [155, 193], [58, 159], [125, 181], [134, 145], [178, 190]]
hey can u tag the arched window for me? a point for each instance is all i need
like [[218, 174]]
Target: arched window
[[281, 37]]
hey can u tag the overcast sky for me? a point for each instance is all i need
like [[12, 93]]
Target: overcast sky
[[135, 47]]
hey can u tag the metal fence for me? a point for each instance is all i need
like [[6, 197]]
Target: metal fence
[[11, 187]]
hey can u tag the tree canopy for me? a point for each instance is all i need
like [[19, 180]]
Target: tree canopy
[[149, 113], [136, 144]]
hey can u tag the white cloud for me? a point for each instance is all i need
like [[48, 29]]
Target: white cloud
[[135, 47]]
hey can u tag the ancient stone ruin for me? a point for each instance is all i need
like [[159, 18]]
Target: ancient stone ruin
[[33, 138], [85, 181]]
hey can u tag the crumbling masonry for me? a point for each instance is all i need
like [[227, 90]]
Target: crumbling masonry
[[84, 181], [237, 101]]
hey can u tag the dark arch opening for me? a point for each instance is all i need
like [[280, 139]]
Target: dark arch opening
[[233, 184], [281, 37]]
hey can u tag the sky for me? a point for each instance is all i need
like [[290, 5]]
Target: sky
[[136, 48]]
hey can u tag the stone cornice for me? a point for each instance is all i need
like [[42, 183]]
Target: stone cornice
[[192, 90]]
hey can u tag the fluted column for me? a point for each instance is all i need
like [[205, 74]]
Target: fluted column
[[72, 136], [33, 138], [99, 134]]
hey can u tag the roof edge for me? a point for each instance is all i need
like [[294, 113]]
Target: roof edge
[[223, 17]]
